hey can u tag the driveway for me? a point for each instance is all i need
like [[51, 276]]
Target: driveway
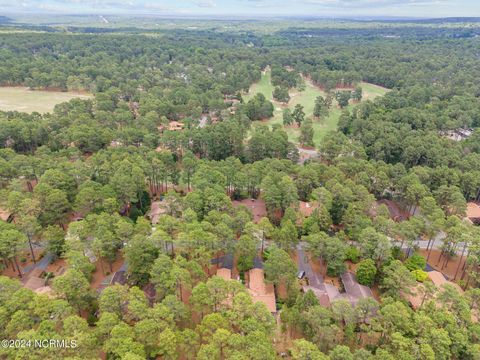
[[315, 280], [41, 264]]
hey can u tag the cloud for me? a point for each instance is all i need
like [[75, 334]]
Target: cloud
[[339, 4], [206, 3], [250, 7]]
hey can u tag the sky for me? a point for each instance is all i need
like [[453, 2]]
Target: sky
[[318, 8]]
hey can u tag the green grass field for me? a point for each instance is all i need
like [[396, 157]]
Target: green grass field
[[307, 99], [264, 86], [25, 100]]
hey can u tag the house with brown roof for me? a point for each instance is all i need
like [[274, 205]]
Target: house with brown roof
[[224, 273], [37, 284], [260, 291], [473, 213], [175, 126], [256, 206], [307, 208], [439, 280], [156, 210], [396, 212], [172, 126], [6, 215], [325, 293], [416, 297]]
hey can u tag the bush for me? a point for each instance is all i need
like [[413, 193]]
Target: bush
[[352, 254], [415, 262], [91, 319], [266, 253], [420, 275], [366, 272], [335, 268], [23, 260], [135, 213], [397, 253]]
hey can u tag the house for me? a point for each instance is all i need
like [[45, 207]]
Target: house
[[224, 266], [307, 208], [172, 126], [416, 297], [306, 155], [396, 212], [115, 144], [34, 282], [224, 261], [457, 134], [225, 274], [256, 206], [6, 215], [258, 289], [120, 276], [473, 213], [439, 280], [353, 290], [261, 291], [175, 126], [156, 210], [150, 293], [37, 284], [325, 293]]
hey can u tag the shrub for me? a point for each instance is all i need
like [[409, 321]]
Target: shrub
[[420, 275], [135, 213], [397, 253], [415, 262], [352, 254], [366, 272]]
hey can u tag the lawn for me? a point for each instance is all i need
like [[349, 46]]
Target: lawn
[[264, 86], [25, 100], [307, 99]]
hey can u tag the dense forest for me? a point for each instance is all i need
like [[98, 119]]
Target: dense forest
[[170, 123]]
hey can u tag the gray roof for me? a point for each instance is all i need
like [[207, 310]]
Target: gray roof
[[353, 289], [225, 261], [257, 263]]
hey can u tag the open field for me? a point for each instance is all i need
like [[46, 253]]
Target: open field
[[264, 86], [25, 100], [307, 99]]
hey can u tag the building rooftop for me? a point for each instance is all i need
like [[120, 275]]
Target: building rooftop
[[322, 296], [307, 208], [438, 279], [225, 274], [256, 206], [397, 213], [261, 291], [120, 277], [5, 215], [353, 289], [34, 283], [473, 211], [156, 210]]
